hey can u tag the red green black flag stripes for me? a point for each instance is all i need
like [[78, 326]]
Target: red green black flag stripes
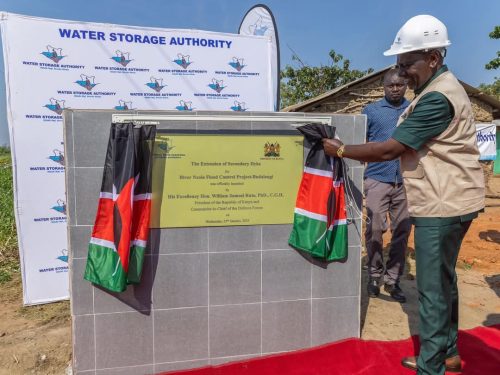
[[120, 234], [320, 221]]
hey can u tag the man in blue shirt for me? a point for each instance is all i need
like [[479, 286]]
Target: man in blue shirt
[[385, 194]]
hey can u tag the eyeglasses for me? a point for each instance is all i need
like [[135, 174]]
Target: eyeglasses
[[408, 65]]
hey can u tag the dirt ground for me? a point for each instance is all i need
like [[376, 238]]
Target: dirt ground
[[478, 270], [37, 339]]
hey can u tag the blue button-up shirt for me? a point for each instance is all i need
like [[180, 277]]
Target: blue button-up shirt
[[382, 120]]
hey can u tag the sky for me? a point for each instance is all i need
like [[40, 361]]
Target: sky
[[360, 30]]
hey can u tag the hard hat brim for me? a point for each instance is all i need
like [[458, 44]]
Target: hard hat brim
[[399, 51], [391, 52]]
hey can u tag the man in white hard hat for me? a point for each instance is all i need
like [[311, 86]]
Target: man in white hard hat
[[436, 143]]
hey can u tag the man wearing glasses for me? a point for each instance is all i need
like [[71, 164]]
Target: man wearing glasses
[[436, 143], [385, 194]]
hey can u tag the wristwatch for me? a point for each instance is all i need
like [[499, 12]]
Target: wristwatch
[[340, 151]]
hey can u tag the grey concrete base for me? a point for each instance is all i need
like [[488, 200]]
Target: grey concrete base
[[208, 295]]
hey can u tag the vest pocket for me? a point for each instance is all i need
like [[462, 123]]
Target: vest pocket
[[418, 172]]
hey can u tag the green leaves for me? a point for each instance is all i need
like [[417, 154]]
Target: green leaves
[[9, 257], [495, 63], [306, 82], [493, 89], [495, 34]]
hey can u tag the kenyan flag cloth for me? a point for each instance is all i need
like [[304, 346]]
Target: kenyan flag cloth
[[121, 229], [320, 221]]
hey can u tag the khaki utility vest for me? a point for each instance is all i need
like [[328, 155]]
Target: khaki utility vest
[[444, 178]]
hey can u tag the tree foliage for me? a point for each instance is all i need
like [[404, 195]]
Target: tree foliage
[[495, 63], [306, 82], [494, 88]]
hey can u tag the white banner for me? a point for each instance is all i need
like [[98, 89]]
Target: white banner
[[259, 20], [52, 64], [486, 141]]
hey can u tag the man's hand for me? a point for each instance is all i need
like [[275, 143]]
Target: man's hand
[[368, 152], [331, 146]]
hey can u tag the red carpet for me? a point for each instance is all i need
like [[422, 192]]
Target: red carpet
[[479, 349]]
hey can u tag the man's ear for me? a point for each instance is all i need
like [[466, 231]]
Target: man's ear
[[435, 57]]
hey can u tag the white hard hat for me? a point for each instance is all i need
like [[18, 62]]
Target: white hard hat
[[419, 33]]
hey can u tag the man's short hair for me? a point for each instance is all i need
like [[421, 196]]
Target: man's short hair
[[441, 50], [391, 72]]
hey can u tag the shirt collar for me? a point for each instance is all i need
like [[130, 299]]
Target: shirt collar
[[385, 103], [440, 71]]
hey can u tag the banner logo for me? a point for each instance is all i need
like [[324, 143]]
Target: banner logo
[[56, 105], [60, 206], [64, 256], [182, 68], [237, 63], [272, 149], [156, 84], [87, 82], [58, 157], [184, 106], [217, 85], [259, 27], [182, 60], [124, 106], [164, 147], [54, 54], [165, 144], [239, 106], [122, 58]]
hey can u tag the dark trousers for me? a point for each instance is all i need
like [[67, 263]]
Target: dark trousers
[[436, 250], [384, 199]]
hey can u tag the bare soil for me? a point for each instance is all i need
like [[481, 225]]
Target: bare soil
[[37, 339], [33, 339], [478, 270]]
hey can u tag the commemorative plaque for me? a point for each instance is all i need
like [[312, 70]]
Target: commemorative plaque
[[225, 180]]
